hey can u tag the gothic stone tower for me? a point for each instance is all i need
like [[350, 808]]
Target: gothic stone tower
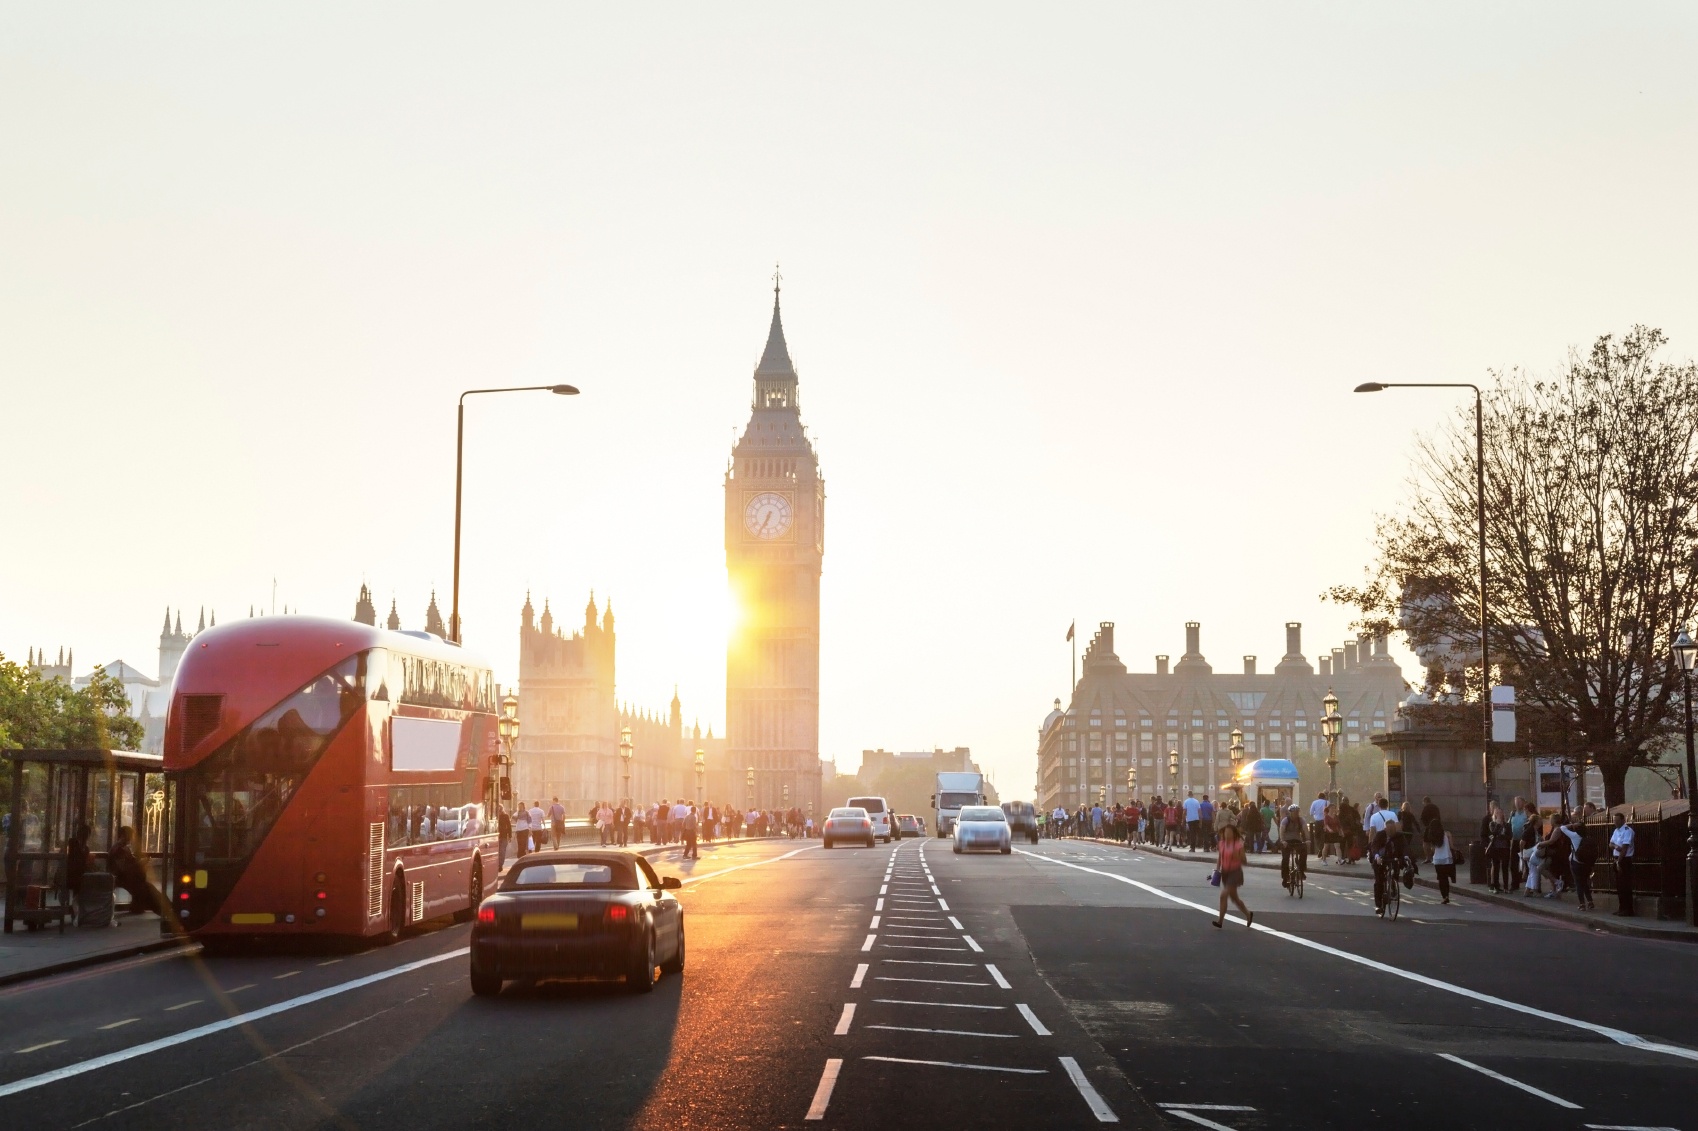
[[774, 542]]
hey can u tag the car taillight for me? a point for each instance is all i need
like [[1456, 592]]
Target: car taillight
[[486, 916], [618, 913]]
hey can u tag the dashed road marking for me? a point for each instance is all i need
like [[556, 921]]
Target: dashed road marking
[[860, 975], [121, 1024], [843, 1021], [239, 989], [290, 974], [183, 1005], [943, 1032], [868, 945], [42, 1045], [910, 946], [973, 946], [938, 1004], [879, 906], [928, 981], [874, 923], [996, 975], [943, 905], [1511, 1081], [925, 962], [822, 1094], [954, 1064], [1032, 1020], [954, 922], [1093, 1100]]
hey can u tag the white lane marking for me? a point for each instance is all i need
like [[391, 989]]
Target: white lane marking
[[915, 927], [934, 890], [1193, 1117], [1208, 1107], [1619, 1036], [943, 905], [1626, 1127], [239, 989], [997, 976], [120, 1024], [884, 889], [927, 981], [953, 1064], [860, 975], [879, 906], [330, 962], [944, 1032], [874, 923], [911, 946], [822, 1094], [905, 899], [956, 923], [975, 947], [1032, 1020], [31, 1082], [1101, 1110], [1510, 1080], [843, 1021], [750, 864], [42, 1045], [280, 977], [868, 945], [939, 1004], [925, 962], [928, 938], [183, 1005]]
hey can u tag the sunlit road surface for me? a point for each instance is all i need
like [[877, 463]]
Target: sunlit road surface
[[1067, 985]]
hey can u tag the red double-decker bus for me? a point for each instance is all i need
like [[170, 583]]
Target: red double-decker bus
[[329, 778]]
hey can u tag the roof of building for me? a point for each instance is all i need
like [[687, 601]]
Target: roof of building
[[776, 358]]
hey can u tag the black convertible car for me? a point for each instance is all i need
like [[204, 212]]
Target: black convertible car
[[578, 912]]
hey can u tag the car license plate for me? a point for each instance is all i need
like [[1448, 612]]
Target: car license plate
[[550, 921]]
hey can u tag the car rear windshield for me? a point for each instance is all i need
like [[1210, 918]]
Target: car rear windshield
[[574, 874], [847, 814], [982, 813], [870, 804]]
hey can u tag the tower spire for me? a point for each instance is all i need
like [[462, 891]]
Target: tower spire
[[776, 358]]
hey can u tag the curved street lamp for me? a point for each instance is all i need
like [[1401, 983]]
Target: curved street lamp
[[507, 727], [1686, 656], [459, 465], [1331, 724]]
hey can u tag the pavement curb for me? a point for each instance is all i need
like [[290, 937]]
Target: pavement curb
[[1610, 925], [99, 959]]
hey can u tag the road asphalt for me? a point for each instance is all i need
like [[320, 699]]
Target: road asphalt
[[1066, 985]]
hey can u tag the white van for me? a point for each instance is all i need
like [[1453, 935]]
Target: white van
[[884, 822]]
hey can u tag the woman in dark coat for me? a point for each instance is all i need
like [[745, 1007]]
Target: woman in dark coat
[[76, 863]]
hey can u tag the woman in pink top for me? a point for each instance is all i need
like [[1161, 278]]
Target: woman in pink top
[[1230, 861]]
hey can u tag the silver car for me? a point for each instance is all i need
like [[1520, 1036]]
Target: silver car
[[982, 827]]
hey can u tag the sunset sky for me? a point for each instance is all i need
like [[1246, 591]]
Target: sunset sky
[[1077, 297]]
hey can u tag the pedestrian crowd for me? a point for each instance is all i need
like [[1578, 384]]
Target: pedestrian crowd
[[534, 828]]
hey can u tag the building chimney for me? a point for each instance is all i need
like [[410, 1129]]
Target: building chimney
[[1161, 665], [1338, 661], [1105, 634], [1193, 638], [1326, 665], [1352, 657], [1249, 665], [1293, 639]]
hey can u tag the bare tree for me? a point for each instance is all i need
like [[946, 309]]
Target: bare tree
[[1591, 544]]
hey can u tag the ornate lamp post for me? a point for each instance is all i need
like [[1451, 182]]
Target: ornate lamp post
[[1686, 655], [1331, 723], [1235, 752], [625, 757], [701, 772], [507, 727], [459, 463], [749, 778], [1173, 772]]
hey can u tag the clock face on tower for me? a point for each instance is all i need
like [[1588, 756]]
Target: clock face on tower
[[767, 515]]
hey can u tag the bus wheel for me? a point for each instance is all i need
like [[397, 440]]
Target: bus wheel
[[474, 894], [397, 912]]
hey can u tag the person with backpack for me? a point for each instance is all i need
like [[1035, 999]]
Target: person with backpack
[[1443, 859], [1581, 860]]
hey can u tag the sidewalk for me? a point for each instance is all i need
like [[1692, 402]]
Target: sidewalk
[[26, 954], [1641, 926]]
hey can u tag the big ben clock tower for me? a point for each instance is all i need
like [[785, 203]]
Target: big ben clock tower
[[774, 543]]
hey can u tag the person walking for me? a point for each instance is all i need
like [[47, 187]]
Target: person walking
[[1621, 852], [538, 829], [691, 829], [1444, 859], [521, 830], [1229, 866], [1250, 828], [1583, 854], [1317, 825], [1193, 823], [603, 824], [557, 822], [1432, 826], [76, 866]]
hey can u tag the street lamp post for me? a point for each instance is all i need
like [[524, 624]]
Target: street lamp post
[[701, 772], [1686, 655], [749, 778], [508, 728], [459, 464], [1330, 724], [1173, 772], [625, 751], [1480, 515], [1235, 752]]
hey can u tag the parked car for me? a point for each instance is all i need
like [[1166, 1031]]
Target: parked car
[[1022, 819], [578, 911], [848, 823], [980, 828], [907, 824]]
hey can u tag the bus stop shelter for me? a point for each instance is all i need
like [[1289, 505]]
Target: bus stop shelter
[[52, 792]]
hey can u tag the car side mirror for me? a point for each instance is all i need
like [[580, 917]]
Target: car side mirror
[[670, 883]]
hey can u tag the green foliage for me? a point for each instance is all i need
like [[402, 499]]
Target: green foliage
[[47, 714]]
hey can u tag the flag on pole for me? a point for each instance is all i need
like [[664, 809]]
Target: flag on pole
[[1070, 630]]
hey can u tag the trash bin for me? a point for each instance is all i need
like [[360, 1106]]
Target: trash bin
[[1478, 871], [94, 900]]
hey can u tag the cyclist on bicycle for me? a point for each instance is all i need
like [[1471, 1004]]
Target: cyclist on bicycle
[[1292, 843], [1390, 857]]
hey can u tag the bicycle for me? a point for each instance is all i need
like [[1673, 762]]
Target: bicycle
[[1296, 869]]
